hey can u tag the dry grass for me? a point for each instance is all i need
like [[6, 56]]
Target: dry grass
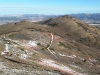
[[76, 38]]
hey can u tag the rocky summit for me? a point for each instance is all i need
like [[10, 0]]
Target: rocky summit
[[58, 46]]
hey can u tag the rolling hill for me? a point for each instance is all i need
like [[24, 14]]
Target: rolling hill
[[57, 46]]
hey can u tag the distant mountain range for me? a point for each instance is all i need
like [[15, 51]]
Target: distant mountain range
[[88, 18], [4, 19]]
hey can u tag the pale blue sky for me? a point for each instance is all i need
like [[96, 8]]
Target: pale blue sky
[[49, 6]]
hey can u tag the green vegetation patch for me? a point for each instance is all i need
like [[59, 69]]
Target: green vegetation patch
[[64, 45], [54, 24], [11, 35], [22, 49], [52, 49], [43, 49]]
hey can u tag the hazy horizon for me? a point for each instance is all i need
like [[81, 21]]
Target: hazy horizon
[[43, 14]]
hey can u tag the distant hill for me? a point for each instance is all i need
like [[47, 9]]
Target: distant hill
[[88, 18], [4, 19]]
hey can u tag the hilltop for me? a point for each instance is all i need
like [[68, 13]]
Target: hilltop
[[57, 46], [68, 27]]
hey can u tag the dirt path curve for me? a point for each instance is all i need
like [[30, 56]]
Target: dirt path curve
[[52, 38]]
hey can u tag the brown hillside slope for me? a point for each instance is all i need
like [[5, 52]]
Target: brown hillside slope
[[48, 47], [72, 28]]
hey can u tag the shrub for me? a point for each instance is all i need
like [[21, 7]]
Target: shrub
[[54, 24]]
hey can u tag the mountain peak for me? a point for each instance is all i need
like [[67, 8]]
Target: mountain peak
[[77, 29]]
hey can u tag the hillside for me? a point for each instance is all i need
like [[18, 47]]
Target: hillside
[[74, 29], [58, 46]]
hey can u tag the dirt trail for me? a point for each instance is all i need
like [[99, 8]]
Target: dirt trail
[[52, 38]]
